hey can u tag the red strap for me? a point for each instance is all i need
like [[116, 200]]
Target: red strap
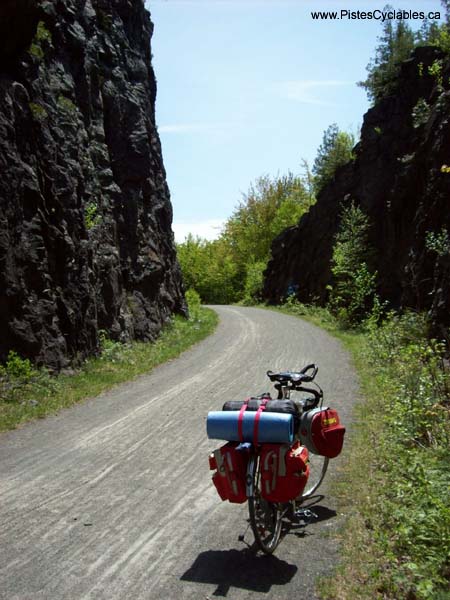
[[257, 418], [241, 419]]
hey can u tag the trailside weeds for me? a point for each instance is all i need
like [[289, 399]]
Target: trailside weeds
[[27, 393], [395, 487]]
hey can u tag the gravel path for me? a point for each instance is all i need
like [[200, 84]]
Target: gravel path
[[112, 499]]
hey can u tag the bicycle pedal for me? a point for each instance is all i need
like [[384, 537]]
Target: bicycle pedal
[[306, 515]]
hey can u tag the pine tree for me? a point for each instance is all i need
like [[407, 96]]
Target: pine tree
[[335, 150], [395, 45]]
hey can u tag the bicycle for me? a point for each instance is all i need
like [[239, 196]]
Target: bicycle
[[266, 517]]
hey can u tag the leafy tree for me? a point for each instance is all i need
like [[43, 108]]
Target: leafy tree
[[254, 281], [335, 150], [270, 206], [231, 267], [207, 268], [354, 282]]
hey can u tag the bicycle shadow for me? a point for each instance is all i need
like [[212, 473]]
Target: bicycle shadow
[[239, 569], [320, 512]]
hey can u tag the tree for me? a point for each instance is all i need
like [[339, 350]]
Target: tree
[[231, 267], [354, 282], [208, 268], [395, 45], [336, 150], [270, 206]]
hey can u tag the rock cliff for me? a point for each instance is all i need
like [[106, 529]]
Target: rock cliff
[[85, 215], [398, 180]]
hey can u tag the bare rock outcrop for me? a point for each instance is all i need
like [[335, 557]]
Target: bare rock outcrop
[[398, 178], [85, 215]]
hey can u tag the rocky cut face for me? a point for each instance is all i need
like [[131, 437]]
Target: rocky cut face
[[85, 214]]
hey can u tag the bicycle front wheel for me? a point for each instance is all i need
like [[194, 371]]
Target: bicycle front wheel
[[318, 466], [265, 517]]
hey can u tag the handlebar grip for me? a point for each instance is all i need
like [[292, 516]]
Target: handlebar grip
[[308, 368], [271, 375]]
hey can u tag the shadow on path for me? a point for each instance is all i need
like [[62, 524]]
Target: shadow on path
[[240, 569], [299, 527]]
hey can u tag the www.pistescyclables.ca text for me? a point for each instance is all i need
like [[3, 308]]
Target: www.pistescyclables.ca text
[[377, 15]]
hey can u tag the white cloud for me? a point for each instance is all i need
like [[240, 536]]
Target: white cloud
[[303, 90], [209, 229]]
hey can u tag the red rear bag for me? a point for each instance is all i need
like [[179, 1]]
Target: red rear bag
[[231, 470], [321, 432], [284, 471]]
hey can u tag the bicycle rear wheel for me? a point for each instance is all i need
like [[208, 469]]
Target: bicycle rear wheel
[[318, 466], [265, 517]]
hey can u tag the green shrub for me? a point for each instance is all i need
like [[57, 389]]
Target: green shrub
[[415, 510], [18, 377], [18, 368], [254, 281], [194, 304], [351, 296], [316, 314], [111, 350], [396, 481]]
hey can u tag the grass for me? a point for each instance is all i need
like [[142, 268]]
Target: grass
[[27, 393], [395, 485]]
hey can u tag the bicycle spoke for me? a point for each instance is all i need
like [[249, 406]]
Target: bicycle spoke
[[265, 517]]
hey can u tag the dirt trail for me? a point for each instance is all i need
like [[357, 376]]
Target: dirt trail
[[112, 499]]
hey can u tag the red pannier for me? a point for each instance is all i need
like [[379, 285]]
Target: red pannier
[[230, 463], [284, 471], [321, 432]]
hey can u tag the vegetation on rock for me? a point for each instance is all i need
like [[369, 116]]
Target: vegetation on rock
[[396, 43], [336, 150], [41, 38]]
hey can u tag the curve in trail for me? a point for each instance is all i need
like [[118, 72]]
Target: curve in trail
[[113, 498]]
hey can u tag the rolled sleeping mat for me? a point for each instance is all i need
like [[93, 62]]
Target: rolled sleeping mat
[[272, 427]]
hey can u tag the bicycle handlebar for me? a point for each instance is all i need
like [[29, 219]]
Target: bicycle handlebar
[[294, 377]]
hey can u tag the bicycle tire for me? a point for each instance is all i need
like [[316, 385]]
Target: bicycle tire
[[265, 517], [318, 466]]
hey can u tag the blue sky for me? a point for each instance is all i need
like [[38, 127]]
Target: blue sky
[[247, 88]]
